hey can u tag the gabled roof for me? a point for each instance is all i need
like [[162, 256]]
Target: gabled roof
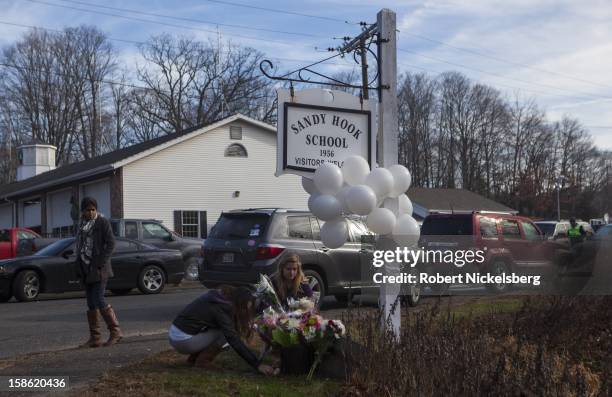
[[442, 200], [116, 159]]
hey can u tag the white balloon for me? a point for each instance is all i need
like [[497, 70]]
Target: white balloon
[[334, 233], [311, 200], [406, 231], [341, 196], [401, 180], [328, 178], [392, 204], [355, 169], [309, 186], [381, 181], [361, 199], [381, 221], [326, 207], [405, 205]]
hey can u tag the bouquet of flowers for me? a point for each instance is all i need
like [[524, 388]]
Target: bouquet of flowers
[[300, 326], [265, 293]]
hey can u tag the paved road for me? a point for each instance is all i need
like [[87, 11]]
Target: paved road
[[59, 321]]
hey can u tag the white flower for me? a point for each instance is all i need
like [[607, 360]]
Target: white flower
[[293, 323]]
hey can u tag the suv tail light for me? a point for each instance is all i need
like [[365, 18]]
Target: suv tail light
[[268, 251]]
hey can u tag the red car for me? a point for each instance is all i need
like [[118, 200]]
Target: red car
[[507, 243], [17, 242]]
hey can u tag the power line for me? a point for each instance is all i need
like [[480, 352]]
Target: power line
[[135, 42], [498, 59], [502, 76], [191, 19], [160, 23], [437, 74], [104, 81], [281, 11]]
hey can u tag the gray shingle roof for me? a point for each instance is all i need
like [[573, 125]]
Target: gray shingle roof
[[103, 163], [453, 199]]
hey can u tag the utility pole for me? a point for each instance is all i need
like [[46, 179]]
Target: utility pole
[[388, 145], [387, 134]]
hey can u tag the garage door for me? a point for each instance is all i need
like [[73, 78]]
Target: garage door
[[31, 213], [58, 209], [101, 192], [6, 216]]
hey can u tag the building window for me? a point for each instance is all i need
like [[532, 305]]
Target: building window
[[235, 132], [61, 232], [191, 223], [235, 150]]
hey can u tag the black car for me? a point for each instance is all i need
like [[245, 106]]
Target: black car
[[53, 270], [153, 232], [245, 243]]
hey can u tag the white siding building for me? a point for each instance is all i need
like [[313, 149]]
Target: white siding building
[[185, 180]]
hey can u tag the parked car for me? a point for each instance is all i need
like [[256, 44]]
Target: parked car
[[509, 242], [245, 243], [20, 242], [153, 232], [53, 269], [554, 230]]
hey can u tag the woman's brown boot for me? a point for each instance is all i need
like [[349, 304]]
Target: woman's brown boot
[[205, 357], [95, 338], [113, 325]]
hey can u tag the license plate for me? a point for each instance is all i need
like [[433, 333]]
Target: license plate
[[228, 257]]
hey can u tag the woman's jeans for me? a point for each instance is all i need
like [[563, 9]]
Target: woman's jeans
[[199, 342], [95, 295]]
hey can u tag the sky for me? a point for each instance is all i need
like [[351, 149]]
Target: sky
[[556, 52]]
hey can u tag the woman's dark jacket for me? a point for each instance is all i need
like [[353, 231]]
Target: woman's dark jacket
[[99, 268], [211, 310]]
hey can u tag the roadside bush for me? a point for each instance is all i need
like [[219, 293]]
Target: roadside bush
[[553, 346]]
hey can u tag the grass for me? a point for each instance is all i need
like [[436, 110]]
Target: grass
[[167, 374], [488, 306]]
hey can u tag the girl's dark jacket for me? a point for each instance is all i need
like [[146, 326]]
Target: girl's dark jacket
[[99, 268], [212, 311]]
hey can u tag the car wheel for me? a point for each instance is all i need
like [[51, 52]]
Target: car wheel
[[498, 267], [192, 272], [151, 280], [316, 284], [26, 286], [122, 291]]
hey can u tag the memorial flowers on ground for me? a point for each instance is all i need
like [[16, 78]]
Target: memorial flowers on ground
[[301, 326]]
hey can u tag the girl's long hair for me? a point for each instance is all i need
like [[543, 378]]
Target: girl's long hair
[[285, 286], [243, 312]]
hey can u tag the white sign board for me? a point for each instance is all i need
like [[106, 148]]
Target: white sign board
[[318, 125]]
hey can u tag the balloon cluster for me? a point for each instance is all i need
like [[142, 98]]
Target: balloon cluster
[[354, 189]]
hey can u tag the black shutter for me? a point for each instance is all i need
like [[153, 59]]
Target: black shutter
[[178, 222], [203, 225]]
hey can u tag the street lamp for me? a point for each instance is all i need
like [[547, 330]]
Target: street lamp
[[558, 186]]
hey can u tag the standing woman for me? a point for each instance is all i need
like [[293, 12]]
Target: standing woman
[[290, 281], [94, 246]]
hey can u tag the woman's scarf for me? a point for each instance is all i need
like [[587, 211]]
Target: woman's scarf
[[85, 240]]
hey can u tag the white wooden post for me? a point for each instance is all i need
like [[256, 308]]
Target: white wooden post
[[388, 144]]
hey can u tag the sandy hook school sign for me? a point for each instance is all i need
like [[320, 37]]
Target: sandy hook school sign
[[318, 125]]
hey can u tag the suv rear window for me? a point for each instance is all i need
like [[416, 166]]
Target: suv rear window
[[547, 228], [240, 226], [452, 225]]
